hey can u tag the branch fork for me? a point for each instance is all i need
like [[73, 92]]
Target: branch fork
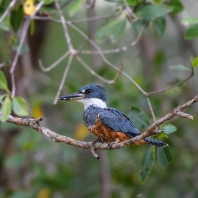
[[178, 112]]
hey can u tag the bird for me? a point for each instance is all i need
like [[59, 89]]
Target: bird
[[107, 123]]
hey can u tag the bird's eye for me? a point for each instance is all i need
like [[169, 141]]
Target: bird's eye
[[88, 91]]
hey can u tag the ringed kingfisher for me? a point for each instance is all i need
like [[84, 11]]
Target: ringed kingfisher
[[108, 124]]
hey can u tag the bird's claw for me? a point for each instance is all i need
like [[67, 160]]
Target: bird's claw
[[96, 141], [110, 145]]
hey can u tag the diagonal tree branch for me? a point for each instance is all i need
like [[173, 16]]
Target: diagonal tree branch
[[98, 76], [35, 124], [64, 25], [46, 69], [63, 79], [175, 85], [10, 7], [23, 36], [45, 18], [117, 50]]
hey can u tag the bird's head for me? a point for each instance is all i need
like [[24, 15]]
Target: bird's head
[[89, 95]]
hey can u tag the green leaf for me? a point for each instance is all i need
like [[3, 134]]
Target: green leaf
[[24, 47], [20, 106], [152, 11], [147, 163], [164, 156], [3, 82], [160, 25], [162, 135], [5, 24], [4, 4], [195, 62], [113, 30], [139, 118], [5, 109], [75, 6], [191, 32], [190, 21], [176, 6], [179, 67], [16, 18], [138, 25], [168, 128], [2, 97]]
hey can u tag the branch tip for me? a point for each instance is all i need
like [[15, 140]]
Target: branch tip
[[94, 153], [182, 114]]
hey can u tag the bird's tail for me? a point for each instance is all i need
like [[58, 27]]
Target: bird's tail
[[155, 142]]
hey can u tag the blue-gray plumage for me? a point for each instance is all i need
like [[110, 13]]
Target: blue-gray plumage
[[108, 124]]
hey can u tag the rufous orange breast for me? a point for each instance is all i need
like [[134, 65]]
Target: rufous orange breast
[[108, 135]]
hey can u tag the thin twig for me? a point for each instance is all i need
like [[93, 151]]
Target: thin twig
[[175, 85], [63, 79], [76, 21], [117, 50], [91, 5], [98, 76], [54, 64], [11, 5], [128, 9], [151, 109], [24, 33], [94, 18], [94, 153], [129, 78], [182, 114], [13, 85], [67, 37]]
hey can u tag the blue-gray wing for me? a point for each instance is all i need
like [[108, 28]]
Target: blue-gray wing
[[118, 122]]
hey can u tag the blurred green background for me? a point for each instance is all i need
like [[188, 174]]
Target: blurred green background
[[33, 166]]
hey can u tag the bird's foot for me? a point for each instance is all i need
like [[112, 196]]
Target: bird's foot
[[111, 144], [96, 141]]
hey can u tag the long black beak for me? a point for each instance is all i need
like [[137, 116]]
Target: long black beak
[[74, 96]]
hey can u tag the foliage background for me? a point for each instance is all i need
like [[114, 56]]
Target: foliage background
[[33, 166]]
